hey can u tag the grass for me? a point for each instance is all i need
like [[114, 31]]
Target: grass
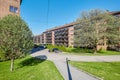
[[104, 70], [29, 69], [81, 51]]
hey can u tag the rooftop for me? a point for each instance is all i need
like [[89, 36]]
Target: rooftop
[[115, 12], [64, 26]]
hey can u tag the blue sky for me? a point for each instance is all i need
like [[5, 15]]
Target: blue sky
[[61, 12]]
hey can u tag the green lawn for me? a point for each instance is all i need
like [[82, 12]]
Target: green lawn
[[29, 69], [104, 70], [80, 51]]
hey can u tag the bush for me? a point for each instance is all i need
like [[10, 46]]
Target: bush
[[101, 50], [62, 48]]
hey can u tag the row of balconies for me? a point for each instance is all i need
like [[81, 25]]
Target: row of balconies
[[61, 33], [61, 29], [62, 40], [60, 37], [58, 40], [66, 38], [48, 42], [65, 29], [48, 38], [48, 35], [49, 32]]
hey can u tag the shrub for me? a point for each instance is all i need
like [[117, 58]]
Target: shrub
[[101, 50]]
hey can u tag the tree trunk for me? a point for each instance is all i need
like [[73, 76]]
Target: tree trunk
[[12, 64], [95, 50]]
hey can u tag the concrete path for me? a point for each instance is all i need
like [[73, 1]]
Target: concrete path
[[75, 73], [59, 60]]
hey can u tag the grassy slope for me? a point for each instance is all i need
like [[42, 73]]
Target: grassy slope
[[104, 70], [37, 70]]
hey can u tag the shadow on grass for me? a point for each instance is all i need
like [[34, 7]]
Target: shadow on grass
[[32, 61]]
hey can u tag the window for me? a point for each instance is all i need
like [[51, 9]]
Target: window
[[13, 9]]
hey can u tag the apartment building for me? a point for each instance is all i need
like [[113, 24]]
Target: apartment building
[[61, 35], [9, 7], [48, 37], [64, 35]]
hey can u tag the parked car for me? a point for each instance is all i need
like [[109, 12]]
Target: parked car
[[44, 46], [37, 48], [56, 50]]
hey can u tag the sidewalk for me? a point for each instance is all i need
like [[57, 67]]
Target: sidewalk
[[75, 73]]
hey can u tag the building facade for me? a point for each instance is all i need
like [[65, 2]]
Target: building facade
[[64, 35], [9, 7]]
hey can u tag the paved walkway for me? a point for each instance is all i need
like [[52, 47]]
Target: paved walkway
[[73, 73], [69, 72]]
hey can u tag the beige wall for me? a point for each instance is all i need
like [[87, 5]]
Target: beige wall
[[44, 38], [53, 41], [40, 39], [5, 4], [71, 36]]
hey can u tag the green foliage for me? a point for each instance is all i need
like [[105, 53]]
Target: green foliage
[[108, 52], [97, 27], [62, 48], [15, 37], [85, 51], [104, 70], [82, 51], [50, 47], [70, 50], [101, 51], [90, 28]]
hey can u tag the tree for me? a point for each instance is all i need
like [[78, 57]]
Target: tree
[[96, 27], [15, 37]]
